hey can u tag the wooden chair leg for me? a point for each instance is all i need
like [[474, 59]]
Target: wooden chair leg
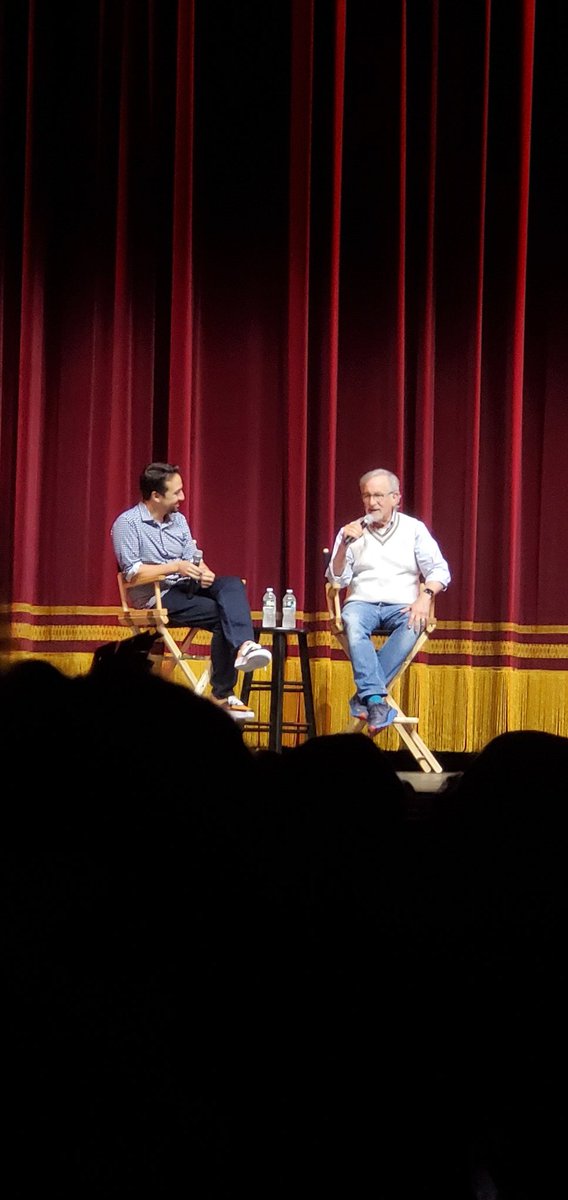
[[203, 681], [184, 647], [197, 684], [354, 725], [419, 750], [408, 733], [406, 728]]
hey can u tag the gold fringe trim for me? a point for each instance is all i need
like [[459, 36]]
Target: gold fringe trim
[[80, 664], [309, 618], [62, 610], [460, 708], [21, 630], [438, 646], [435, 647]]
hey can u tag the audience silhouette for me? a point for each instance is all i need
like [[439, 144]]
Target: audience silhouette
[[505, 826], [229, 970]]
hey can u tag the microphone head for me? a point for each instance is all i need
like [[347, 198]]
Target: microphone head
[[197, 557]]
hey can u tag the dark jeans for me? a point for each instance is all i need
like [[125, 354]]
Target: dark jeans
[[223, 609]]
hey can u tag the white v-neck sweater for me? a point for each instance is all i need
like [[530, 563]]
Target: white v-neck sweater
[[386, 565]]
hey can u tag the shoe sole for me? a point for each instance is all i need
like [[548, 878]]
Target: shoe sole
[[254, 662]]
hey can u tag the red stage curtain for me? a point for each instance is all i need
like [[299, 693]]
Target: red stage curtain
[[280, 244]]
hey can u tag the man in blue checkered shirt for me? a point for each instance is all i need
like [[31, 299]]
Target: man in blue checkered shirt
[[153, 540]]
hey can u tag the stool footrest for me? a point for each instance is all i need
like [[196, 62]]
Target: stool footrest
[[290, 686], [301, 725], [264, 727]]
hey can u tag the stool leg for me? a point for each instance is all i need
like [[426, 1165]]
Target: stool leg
[[307, 682], [246, 686], [277, 691]]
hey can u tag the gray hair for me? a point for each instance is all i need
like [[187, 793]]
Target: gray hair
[[394, 482]]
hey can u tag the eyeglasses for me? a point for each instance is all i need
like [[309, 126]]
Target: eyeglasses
[[376, 495]]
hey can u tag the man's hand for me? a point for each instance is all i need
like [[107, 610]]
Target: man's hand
[[352, 531], [349, 533], [189, 570], [203, 574], [418, 613], [207, 576]]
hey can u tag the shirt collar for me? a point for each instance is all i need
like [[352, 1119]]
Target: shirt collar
[[149, 519]]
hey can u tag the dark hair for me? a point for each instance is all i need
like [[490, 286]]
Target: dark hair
[[154, 478]]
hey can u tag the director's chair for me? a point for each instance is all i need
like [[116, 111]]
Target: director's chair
[[405, 726], [169, 654]]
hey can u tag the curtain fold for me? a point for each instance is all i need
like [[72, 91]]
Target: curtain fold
[[30, 411], [296, 460], [180, 392]]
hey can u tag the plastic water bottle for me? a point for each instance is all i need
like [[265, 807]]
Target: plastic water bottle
[[269, 609], [289, 610]]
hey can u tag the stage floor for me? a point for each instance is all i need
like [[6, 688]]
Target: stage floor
[[423, 781]]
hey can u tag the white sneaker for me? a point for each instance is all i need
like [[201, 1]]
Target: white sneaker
[[235, 708], [252, 657]]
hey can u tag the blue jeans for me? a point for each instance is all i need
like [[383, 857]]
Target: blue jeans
[[374, 669]]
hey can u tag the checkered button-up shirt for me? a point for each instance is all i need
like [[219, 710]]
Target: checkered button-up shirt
[[138, 538]]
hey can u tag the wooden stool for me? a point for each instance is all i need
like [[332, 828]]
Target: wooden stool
[[277, 685]]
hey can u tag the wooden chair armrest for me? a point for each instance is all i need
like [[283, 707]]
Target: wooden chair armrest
[[124, 586], [332, 591]]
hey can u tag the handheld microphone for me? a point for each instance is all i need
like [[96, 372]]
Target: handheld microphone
[[197, 557], [368, 519]]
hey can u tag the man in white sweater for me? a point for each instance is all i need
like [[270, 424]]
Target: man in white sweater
[[391, 566]]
